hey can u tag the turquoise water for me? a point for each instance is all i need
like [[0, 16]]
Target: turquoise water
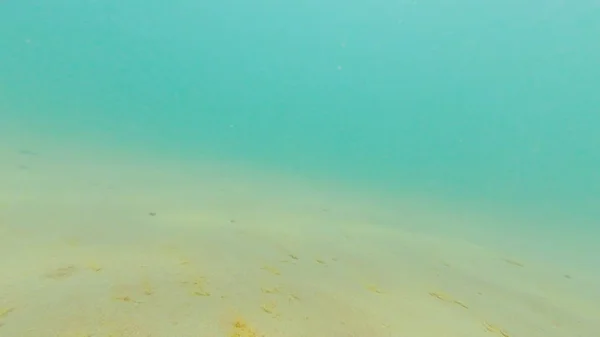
[[471, 102]]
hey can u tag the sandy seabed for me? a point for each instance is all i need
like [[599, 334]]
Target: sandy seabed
[[117, 250]]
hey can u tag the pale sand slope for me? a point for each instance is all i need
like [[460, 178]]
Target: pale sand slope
[[82, 256]]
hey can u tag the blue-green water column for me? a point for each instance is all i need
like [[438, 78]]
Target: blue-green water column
[[488, 101]]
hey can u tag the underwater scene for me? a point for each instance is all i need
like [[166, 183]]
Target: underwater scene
[[186, 168]]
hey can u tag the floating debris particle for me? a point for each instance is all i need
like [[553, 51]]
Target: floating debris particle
[[273, 290], [62, 272], [447, 298], [269, 308], [374, 288], [73, 242], [148, 289], [514, 263], [198, 286], [126, 299], [94, 267], [27, 153], [271, 270], [495, 329], [200, 292]]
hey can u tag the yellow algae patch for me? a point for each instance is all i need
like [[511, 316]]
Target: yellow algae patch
[[5, 311], [242, 329]]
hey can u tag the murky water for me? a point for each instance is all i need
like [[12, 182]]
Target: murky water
[[244, 169]]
